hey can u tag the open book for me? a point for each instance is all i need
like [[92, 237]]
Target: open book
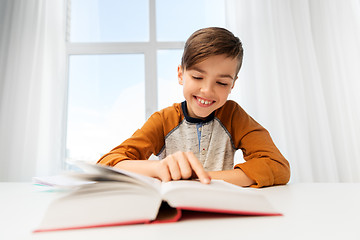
[[111, 197]]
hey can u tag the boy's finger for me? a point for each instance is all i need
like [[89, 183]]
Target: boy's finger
[[163, 172], [198, 168], [185, 167], [174, 168]]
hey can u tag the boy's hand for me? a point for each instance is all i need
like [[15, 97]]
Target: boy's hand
[[181, 165]]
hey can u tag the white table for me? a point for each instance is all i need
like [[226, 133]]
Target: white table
[[311, 211]]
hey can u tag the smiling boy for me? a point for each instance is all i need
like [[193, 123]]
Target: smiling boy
[[198, 137]]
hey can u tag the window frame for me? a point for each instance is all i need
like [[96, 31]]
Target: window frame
[[148, 48]]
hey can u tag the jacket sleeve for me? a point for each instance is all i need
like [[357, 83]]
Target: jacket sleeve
[[144, 142], [263, 161]]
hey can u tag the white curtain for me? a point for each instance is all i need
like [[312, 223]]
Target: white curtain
[[32, 87], [301, 80]]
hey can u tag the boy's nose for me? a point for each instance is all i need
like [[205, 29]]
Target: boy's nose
[[207, 88]]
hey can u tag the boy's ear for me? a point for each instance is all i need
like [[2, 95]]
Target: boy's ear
[[234, 83], [180, 75]]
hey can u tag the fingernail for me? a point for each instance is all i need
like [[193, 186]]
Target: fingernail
[[207, 180]]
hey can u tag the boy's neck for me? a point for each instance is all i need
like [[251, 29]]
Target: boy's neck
[[195, 120]]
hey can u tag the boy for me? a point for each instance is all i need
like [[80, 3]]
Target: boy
[[198, 137]]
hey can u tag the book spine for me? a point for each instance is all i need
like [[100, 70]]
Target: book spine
[[244, 213], [169, 220]]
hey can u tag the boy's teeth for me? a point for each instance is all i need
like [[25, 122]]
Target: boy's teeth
[[204, 101]]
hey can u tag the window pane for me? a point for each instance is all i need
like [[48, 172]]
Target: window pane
[[169, 90], [109, 20], [177, 20], [106, 103]]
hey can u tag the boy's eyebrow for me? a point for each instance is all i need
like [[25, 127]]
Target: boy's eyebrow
[[226, 76], [204, 72]]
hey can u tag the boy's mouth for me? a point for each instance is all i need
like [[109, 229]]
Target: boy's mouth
[[203, 101]]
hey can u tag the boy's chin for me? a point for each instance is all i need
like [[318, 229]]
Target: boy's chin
[[202, 115]]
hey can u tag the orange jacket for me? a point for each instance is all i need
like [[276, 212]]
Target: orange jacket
[[213, 140]]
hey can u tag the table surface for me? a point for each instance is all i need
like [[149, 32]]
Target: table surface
[[311, 211]]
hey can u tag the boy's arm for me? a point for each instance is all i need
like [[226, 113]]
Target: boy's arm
[[235, 176], [263, 161]]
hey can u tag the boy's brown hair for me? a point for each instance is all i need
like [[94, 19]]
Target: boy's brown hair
[[208, 42]]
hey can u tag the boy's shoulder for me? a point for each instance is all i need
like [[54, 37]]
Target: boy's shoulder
[[231, 103], [172, 112], [231, 113], [175, 108], [230, 107]]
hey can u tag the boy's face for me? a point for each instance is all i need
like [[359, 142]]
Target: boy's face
[[207, 85]]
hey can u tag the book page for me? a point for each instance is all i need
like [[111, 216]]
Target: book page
[[60, 181], [97, 172], [196, 184], [218, 196]]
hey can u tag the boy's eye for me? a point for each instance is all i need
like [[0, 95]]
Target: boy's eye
[[222, 84], [197, 78]]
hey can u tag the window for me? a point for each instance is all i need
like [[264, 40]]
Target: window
[[122, 65], [96, 110]]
